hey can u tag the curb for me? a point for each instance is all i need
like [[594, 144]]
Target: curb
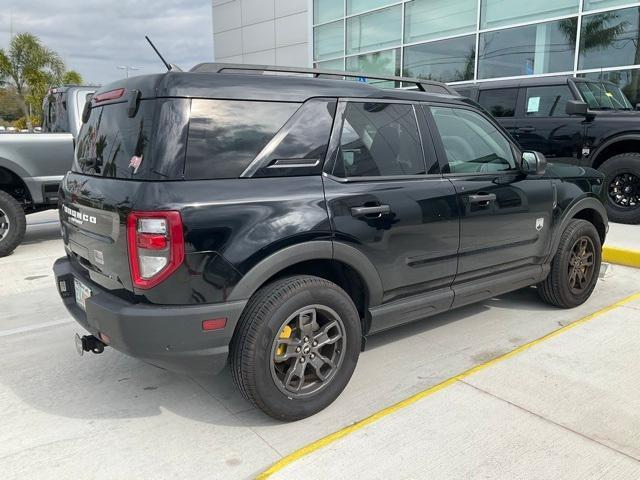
[[621, 256]]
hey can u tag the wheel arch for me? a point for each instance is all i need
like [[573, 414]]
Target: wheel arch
[[590, 209], [13, 184], [337, 262], [628, 143]]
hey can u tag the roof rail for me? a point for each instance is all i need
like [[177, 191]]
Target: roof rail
[[221, 67]]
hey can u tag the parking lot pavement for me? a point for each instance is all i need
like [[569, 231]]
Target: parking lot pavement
[[110, 416], [566, 408], [623, 236]]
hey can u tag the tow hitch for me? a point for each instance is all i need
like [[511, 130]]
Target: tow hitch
[[89, 343]]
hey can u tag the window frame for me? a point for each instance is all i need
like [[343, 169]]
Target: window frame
[[493, 89], [336, 136], [439, 145]]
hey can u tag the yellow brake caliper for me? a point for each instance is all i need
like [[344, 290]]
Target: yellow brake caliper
[[285, 333]]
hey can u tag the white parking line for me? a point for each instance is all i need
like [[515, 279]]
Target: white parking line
[[31, 328]]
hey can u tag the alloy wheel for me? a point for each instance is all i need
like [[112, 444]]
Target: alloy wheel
[[581, 265], [5, 225], [308, 351], [624, 190]]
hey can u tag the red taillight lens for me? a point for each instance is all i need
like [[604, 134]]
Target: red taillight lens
[[156, 246], [110, 95]]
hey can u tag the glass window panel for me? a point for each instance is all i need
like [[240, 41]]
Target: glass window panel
[[495, 13], [374, 31], [596, 4], [337, 64], [327, 10], [378, 63], [471, 142], [627, 80], [429, 19], [379, 139], [450, 60], [328, 40], [499, 102], [533, 49], [547, 101], [357, 6], [610, 39]]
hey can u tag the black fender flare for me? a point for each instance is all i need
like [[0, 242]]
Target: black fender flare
[[610, 141], [314, 250], [586, 203]]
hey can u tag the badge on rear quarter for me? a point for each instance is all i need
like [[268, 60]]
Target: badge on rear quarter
[[539, 224]]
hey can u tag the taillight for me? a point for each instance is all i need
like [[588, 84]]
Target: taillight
[[110, 95], [156, 246]]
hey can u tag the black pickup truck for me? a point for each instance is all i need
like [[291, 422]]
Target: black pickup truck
[[573, 120]]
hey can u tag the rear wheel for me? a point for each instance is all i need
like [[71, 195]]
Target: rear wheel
[[296, 346], [12, 224], [575, 267], [622, 183]]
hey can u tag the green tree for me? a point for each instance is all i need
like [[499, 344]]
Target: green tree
[[27, 63], [71, 77]]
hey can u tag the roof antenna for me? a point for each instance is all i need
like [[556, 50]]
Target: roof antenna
[[169, 66]]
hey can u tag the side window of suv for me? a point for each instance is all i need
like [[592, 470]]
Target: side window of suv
[[499, 102], [379, 139], [547, 101], [471, 142]]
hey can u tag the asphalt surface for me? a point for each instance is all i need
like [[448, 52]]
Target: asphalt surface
[[110, 416]]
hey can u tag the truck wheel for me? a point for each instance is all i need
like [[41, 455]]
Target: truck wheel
[[295, 346], [622, 183], [575, 267], [12, 224]]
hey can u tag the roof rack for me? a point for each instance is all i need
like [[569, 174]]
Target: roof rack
[[420, 83]]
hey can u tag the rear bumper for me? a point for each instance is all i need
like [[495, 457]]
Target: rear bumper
[[170, 336]]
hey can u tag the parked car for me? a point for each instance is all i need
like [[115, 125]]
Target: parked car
[[274, 222], [576, 121], [33, 164]]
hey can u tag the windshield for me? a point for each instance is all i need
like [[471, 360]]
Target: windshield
[[603, 96]]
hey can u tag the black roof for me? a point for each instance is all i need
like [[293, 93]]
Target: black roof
[[236, 84]]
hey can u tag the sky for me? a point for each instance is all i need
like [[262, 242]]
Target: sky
[[94, 37]]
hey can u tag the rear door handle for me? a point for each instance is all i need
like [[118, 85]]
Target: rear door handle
[[374, 210], [525, 129], [482, 199]]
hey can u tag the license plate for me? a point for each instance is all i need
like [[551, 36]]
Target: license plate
[[82, 293]]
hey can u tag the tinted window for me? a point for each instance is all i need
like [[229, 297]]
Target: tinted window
[[226, 135], [113, 145], [302, 142], [55, 117], [379, 139], [374, 31], [547, 101], [499, 102], [471, 142], [519, 51], [450, 60], [430, 19], [504, 12]]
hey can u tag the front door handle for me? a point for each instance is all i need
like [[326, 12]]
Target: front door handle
[[525, 129], [482, 199], [376, 210]]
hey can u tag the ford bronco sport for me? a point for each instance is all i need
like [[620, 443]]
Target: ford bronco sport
[[577, 121], [232, 215]]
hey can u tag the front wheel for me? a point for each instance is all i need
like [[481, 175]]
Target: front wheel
[[575, 266], [622, 184], [296, 346], [12, 224]]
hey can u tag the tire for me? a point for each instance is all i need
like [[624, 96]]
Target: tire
[[556, 288], [622, 166], [13, 224], [258, 341]]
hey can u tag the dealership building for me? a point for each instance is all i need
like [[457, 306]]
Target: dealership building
[[454, 41]]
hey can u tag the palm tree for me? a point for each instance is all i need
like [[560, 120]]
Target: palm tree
[[28, 62], [598, 33]]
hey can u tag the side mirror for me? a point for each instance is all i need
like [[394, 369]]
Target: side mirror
[[576, 107], [534, 163]]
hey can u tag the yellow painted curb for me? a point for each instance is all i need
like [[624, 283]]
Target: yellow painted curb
[[621, 256], [323, 442]]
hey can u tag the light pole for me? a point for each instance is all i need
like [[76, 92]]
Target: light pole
[[128, 68]]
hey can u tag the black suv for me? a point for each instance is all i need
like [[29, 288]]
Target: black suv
[[273, 222], [577, 121]]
